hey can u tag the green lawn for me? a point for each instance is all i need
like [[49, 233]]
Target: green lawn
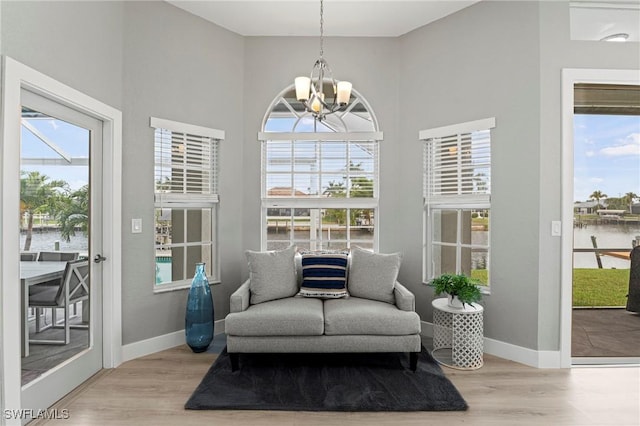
[[591, 287], [600, 287]]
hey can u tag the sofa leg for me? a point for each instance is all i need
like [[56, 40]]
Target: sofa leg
[[413, 361], [234, 357]]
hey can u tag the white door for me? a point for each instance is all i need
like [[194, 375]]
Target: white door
[[61, 213]]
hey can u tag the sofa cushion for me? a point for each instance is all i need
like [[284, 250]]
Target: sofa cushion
[[272, 274], [373, 275], [293, 316], [324, 275], [355, 316]]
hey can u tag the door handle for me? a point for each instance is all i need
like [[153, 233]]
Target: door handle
[[99, 258]]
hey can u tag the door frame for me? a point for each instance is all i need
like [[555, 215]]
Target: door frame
[[570, 77], [16, 76]]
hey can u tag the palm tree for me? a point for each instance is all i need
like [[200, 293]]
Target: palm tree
[[629, 197], [597, 195], [37, 194], [73, 212]]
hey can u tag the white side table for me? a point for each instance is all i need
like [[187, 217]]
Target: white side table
[[457, 335]]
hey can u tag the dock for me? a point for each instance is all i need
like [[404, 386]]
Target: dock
[[626, 255]]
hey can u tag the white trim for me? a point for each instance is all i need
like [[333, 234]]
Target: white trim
[[320, 136], [161, 343], [606, 361], [426, 329], [454, 129], [320, 203], [570, 77], [152, 345], [17, 76], [460, 202], [616, 5], [191, 129], [530, 357], [170, 199]]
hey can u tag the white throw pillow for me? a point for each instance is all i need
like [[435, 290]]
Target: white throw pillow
[[272, 274], [373, 275]]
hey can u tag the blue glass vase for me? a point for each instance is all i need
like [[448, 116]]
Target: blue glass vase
[[198, 324]]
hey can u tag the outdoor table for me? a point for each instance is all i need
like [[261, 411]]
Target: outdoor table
[[35, 273]]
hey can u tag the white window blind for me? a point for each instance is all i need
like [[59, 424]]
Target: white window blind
[[320, 168], [186, 163], [457, 162]]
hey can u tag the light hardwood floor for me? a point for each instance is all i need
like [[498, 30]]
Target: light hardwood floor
[[152, 391]]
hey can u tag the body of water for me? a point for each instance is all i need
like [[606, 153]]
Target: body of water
[[607, 236], [46, 241]]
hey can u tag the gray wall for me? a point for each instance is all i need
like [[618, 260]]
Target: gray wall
[[79, 44], [493, 59], [181, 68], [146, 59], [272, 63], [479, 63]]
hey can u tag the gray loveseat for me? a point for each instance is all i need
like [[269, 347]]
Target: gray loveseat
[[378, 315]]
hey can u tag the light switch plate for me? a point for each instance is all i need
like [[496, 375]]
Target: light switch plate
[[136, 226], [556, 228]]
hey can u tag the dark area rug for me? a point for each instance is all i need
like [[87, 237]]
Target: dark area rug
[[326, 382]]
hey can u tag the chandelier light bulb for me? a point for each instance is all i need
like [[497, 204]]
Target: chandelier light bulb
[[344, 92], [303, 85], [310, 91]]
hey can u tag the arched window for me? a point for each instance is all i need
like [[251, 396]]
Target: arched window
[[319, 178]]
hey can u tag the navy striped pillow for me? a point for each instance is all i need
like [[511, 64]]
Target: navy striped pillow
[[324, 275]]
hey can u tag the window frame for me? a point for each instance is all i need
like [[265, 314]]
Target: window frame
[[184, 199], [459, 201], [285, 106], [319, 202]]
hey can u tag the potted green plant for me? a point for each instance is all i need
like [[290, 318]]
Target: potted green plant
[[461, 290]]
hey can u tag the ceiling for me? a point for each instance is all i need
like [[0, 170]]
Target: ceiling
[[589, 19], [349, 18]]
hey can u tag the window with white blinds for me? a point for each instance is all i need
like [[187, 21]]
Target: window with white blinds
[[319, 178], [321, 169], [457, 161], [320, 192], [186, 198], [457, 199], [186, 163]]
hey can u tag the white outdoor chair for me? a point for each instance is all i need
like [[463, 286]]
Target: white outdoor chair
[[74, 287], [52, 256]]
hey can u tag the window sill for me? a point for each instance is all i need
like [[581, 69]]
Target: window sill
[[182, 285]]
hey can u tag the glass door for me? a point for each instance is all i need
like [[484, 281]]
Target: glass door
[[60, 237], [606, 221]]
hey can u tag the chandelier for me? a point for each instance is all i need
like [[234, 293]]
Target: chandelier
[[310, 90]]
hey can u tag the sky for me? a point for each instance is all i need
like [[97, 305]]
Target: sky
[[606, 155], [72, 139]]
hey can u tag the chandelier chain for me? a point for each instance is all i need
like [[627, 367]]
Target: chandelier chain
[[321, 28], [310, 90]]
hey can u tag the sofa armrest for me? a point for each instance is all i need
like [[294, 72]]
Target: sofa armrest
[[405, 300], [240, 298]]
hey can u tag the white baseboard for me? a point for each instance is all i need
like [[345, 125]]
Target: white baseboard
[[160, 343], [531, 357], [426, 329]]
